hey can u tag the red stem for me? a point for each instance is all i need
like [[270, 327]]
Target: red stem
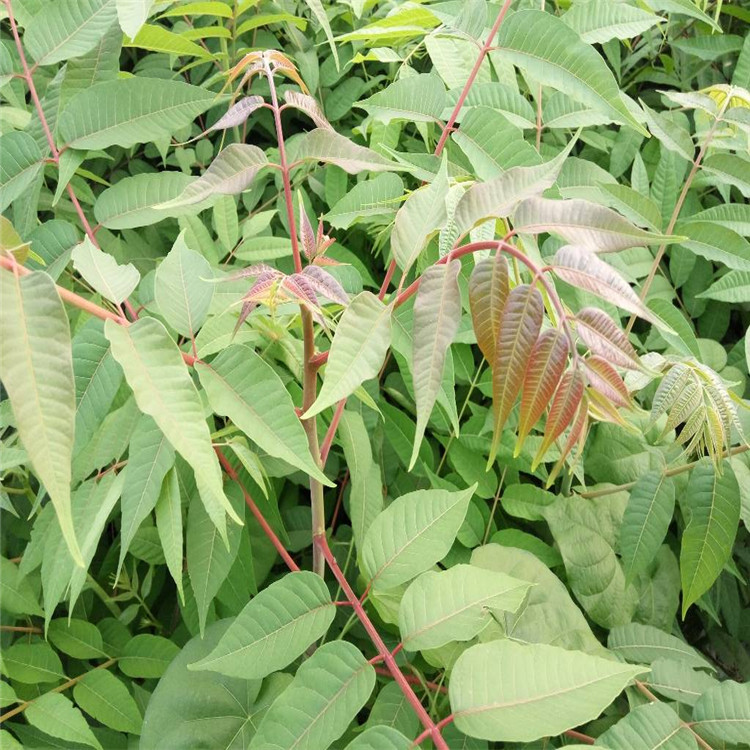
[[387, 280], [412, 680], [325, 447], [382, 649], [232, 474], [422, 737], [472, 76]]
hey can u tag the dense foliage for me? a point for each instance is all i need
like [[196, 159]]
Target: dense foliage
[[373, 374]]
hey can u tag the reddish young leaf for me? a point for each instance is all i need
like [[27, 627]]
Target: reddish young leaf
[[306, 233], [238, 113], [520, 324], [603, 410], [576, 437], [309, 106], [323, 283], [605, 379], [584, 269], [603, 336], [562, 412], [488, 290], [546, 365]]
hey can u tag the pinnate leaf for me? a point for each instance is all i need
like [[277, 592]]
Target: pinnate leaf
[[604, 337], [488, 290]]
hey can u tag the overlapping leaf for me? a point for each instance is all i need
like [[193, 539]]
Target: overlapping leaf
[[488, 291]]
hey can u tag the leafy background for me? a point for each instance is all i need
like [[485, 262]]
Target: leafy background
[[480, 590]]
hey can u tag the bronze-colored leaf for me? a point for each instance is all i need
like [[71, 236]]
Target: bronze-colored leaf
[[605, 379], [488, 290], [603, 337], [562, 412], [546, 365], [576, 437]]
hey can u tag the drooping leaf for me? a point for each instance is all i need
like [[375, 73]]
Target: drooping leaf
[[646, 520], [330, 147], [164, 390], [717, 243], [437, 316], [519, 329], [113, 281], [413, 533], [274, 628], [129, 111], [488, 291], [545, 690], [712, 501], [243, 387], [132, 14], [327, 692], [455, 605], [36, 369], [358, 349], [169, 526]]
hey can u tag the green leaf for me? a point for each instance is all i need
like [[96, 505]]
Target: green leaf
[[229, 173], [238, 383], [182, 288], [20, 163], [32, 663], [163, 389], [682, 336], [208, 560], [17, 597], [712, 504], [359, 346], [724, 712], [68, 28], [583, 224], [418, 98], [147, 656], [553, 54], [654, 726], [76, 638], [732, 287], [169, 525], [643, 643], [437, 316], [130, 111], [113, 281], [158, 39], [189, 709], [376, 197], [544, 690], [422, 214], [54, 714], [684, 7], [274, 628], [380, 738], [717, 243], [316, 6], [131, 202], [103, 697], [36, 368], [734, 216], [150, 457], [599, 21], [132, 14], [322, 144], [678, 681], [729, 169], [670, 132], [366, 496], [455, 605], [327, 692], [645, 522], [413, 533]]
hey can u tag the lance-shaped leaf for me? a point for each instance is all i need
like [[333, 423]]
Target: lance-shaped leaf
[[229, 173], [163, 389], [724, 712], [655, 726], [307, 104], [497, 198], [604, 337], [358, 349], [716, 243], [168, 513], [437, 315], [488, 290], [20, 163], [419, 98], [238, 113], [601, 21], [540, 380], [712, 500], [182, 288], [583, 268], [242, 386], [562, 411], [274, 628], [413, 533], [545, 690], [323, 283], [376, 197], [330, 147], [455, 605], [55, 715], [132, 14], [127, 111], [645, 521], [585, 224], [36, 368], [113, 281], [554, 55], [520, 324], [422, 214], [605, 379], [68, 28]]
